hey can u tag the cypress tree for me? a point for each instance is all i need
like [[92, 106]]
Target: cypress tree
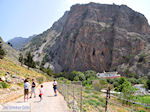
[[21, 59]]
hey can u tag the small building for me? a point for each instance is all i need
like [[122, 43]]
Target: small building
[[108, 75]]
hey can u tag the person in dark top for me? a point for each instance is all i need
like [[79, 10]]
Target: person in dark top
[[33, 88]]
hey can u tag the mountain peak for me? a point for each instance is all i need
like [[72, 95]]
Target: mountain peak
[[94, 36]]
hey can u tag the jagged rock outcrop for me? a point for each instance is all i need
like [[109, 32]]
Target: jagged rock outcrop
[[97, 37]]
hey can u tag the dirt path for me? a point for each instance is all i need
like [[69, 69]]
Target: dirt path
[[50, 103]]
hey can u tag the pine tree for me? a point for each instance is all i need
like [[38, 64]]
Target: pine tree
[[29, 61], [2, 52], [21, 59]]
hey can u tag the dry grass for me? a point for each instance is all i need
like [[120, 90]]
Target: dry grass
[[8, 66]]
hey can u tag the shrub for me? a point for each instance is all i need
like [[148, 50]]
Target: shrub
[[148, 84], [48, 71], [76, 75], [40, 79], [90, 74], [99, 84], [4, 85]]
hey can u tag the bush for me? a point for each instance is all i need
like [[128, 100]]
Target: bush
[[133, 80], [4, 85], [148, 84], [99, 84], [75, 76], [48, 71], [40, 79], [90, 74], [119, 83]]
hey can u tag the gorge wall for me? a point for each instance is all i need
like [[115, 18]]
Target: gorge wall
[[95, 37]]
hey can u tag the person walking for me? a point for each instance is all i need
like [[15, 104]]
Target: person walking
[[33, 88], [26, 89], [41, 93], [55, 87]]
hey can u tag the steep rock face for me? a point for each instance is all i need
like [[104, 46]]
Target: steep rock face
[[96, 37], [99, 37], [43, 41]]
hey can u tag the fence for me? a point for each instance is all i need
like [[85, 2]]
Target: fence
[[72, 93]]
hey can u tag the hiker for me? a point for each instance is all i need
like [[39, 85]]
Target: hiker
[[55, 87], [26, 89], [33, 88], [41, 93]]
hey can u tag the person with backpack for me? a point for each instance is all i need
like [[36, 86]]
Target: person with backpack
[[55, 87], [33, 88], [26, 89]]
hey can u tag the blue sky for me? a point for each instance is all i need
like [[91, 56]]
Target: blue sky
[[27, 17]]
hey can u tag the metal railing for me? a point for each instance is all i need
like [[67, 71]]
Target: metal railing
[[72, 93]]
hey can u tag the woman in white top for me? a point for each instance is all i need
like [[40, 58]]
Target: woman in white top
[[26, 89]]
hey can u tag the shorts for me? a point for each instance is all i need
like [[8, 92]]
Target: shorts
[[40, 95], [55, 88], [32, 90], [26, 91]]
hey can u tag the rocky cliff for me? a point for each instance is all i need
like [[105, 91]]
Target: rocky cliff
[[96, 37]]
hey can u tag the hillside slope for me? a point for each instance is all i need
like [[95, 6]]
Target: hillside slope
[[12, 77], [10, 52], [7, 65]]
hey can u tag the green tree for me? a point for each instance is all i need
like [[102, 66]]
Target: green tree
[[2, 52], [21, 59], [119, 83], [29, 61], [90, 74], [127, 91], [148, 84], [78, 76], [48, 71]]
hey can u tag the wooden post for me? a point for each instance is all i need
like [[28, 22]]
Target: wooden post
[[81, 98], [107, 97], [109, 92]]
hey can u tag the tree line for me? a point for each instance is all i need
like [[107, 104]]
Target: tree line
[[2, 51], [28, 60]]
